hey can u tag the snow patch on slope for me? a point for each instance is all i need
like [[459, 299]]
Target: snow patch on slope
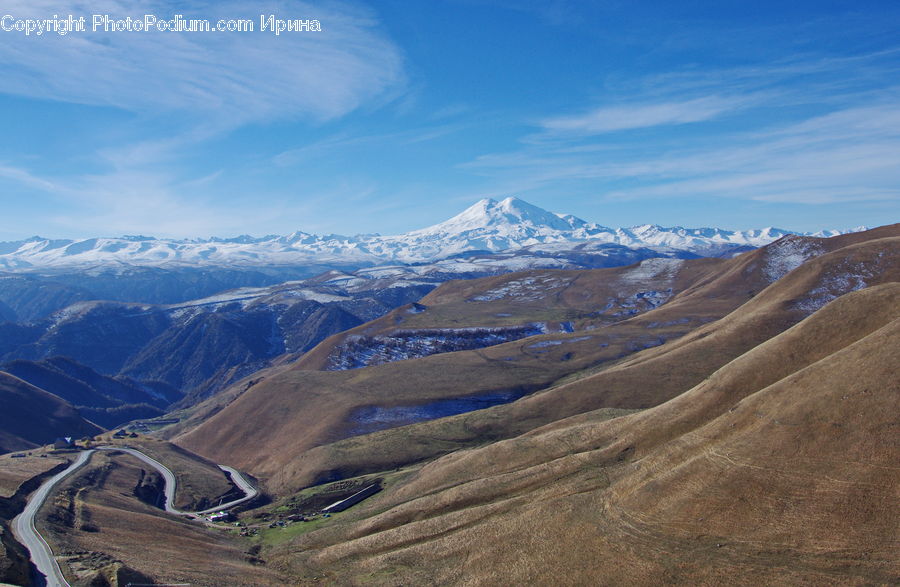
[[359, 351], [787, 254], [841, 279], [526, 289], [653, 270]]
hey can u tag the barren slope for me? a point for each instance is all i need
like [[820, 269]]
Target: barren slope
[[291, 429], [588, 299], [99, 525], [780, 468], [30, 416], [552, 300]]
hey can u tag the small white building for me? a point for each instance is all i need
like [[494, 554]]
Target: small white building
[[220, 517], [63, 442]]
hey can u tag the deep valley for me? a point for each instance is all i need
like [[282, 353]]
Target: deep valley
[[691, 420]]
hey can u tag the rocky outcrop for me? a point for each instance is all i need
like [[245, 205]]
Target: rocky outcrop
[[150, 489]]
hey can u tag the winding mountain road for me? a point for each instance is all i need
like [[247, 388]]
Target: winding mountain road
[[249, 491], [166, 472], [27, 534], [41, 554]]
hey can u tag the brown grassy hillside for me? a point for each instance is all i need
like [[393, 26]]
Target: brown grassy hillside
[[779, 468], [292, 428], [30, 416], [593, 298], [580, 300]]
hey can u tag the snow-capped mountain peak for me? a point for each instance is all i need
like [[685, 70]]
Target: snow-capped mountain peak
[[507, 216], [487, 225]]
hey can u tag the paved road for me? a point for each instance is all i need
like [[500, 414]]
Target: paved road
[[42, 556], [238, 479], [25, 532], [249, 491], [168, 475]]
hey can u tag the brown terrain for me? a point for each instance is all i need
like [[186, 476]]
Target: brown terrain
[[761, 447], [15, 471], [589, 299], [99, 528], [706, 422], [201, 484], [779, 468], [308, 436], [98, 520], [19, 476]]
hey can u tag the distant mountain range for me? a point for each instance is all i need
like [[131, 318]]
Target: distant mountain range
[[488, 226]]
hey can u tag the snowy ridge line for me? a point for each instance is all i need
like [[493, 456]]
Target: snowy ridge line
[[488, 226]]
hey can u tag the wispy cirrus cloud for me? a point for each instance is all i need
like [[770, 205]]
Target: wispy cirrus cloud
[[630, 116], [809, 132], [843, 156], [179, 92], [133, 200], [345, 141], [25, 177], [689, 96], [224, 78]]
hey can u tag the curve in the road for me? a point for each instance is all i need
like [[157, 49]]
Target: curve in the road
[[249, 491], [41, 554], [27, 534], [238, 479], [166, 472]]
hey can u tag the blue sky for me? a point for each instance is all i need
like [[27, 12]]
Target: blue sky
[[402, 113]]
